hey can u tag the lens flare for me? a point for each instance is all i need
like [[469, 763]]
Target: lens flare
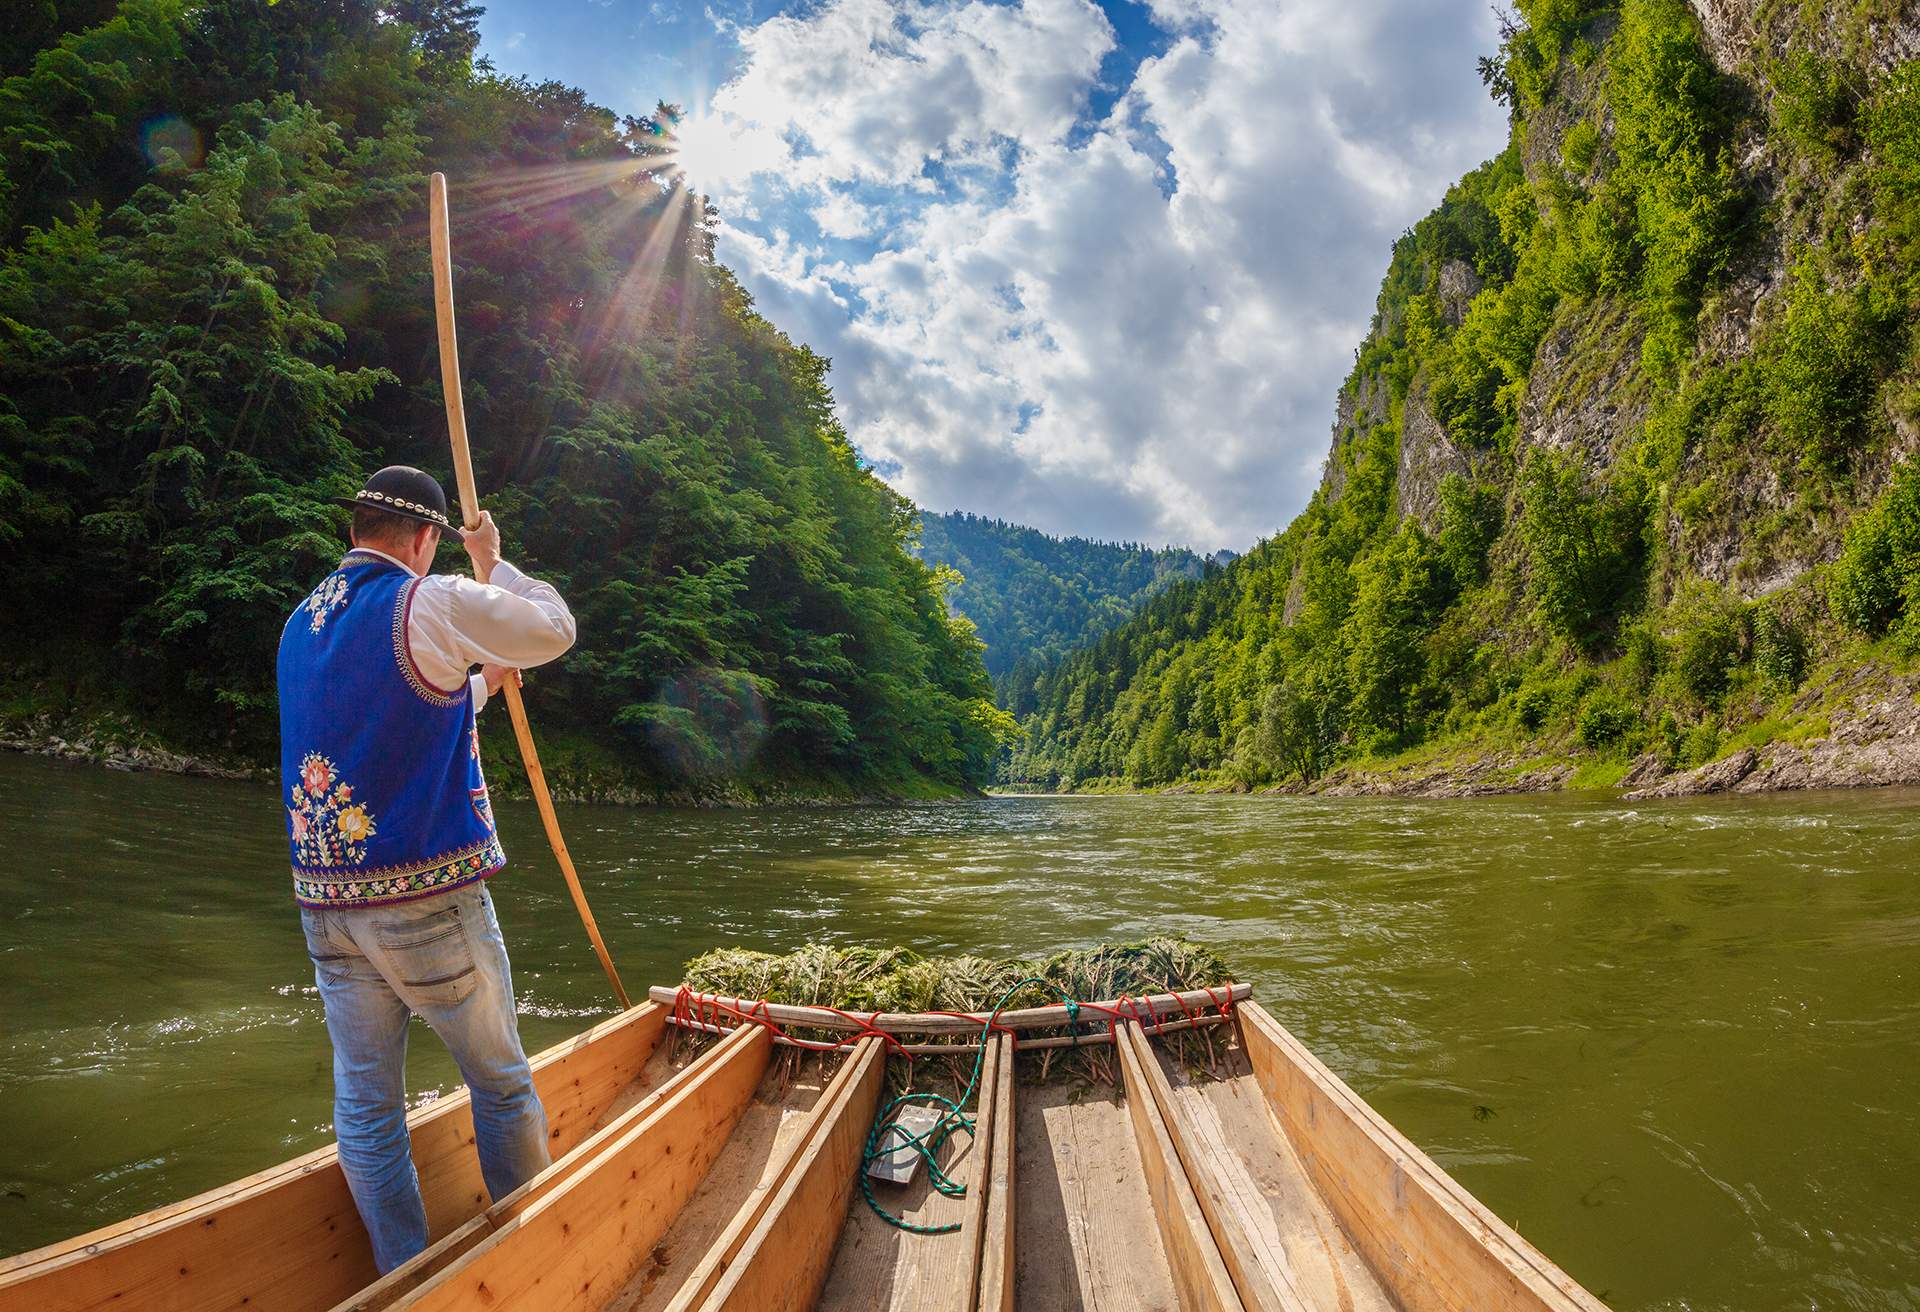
[[708, 723], [171, 143]]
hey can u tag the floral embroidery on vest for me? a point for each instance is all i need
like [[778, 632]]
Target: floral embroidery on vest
[[330, 596], [326, 830], [398, 883]]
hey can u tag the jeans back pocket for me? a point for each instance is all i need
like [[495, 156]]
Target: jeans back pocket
[[430, 957]]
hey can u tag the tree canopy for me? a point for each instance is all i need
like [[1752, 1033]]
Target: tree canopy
[[216, 313], [1032, 596]]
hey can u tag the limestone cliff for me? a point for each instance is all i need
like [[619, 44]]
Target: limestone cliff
[[1619, 487]]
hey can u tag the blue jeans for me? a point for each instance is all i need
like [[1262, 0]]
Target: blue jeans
[[443, 958]]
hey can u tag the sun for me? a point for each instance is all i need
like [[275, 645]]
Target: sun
[[717, 151]]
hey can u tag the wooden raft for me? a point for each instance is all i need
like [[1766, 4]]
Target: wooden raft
[[726, 1181]]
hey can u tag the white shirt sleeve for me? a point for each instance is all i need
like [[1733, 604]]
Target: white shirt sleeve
[[457, 623]]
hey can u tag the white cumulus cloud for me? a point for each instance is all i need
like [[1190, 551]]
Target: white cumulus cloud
[[1125, 325]]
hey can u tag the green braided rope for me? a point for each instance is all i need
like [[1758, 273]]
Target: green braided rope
[[887, 1137]]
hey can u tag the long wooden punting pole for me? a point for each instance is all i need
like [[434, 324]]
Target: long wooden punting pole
[[470, 512]]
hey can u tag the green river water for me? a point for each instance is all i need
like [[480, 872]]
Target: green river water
[[1677, 1045]]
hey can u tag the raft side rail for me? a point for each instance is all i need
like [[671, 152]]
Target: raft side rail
[[1434, 1245], [1092, 1040], [1173, 1006]]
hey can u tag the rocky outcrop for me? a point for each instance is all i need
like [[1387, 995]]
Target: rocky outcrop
[[1646, 769], [1738, 32], [1427, 455], [1714, 777], [1486, 776], [1360, 408], [1457, 285], [1586, 394], [1873, 740]]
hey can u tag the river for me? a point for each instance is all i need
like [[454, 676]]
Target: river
[[1677, 1045]]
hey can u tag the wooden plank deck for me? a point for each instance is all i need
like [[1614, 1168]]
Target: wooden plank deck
[[288, 1237], [1088, 1242], [1284, 1224], [578, 1245], [783, 1262]]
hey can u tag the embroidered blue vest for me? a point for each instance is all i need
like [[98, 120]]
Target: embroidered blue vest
[[379, 770]]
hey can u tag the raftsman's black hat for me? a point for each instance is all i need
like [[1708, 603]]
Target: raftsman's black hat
[[406, 491]]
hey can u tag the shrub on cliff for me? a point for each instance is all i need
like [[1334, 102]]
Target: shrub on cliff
[[1710, 641], [1605, 720], [1875, 584], [1585, 551]]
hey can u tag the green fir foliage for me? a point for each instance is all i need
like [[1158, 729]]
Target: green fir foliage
[[216, 312], [1032, 596]]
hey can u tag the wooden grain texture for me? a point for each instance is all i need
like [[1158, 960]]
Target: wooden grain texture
[[783, 1262], [1436, 1247], [973, 1224], [994, 1291], [718, 1244], [394, 1287], [1199, 1274], [878, 1267], [288, 1238], [1089, 1241], [1259, 1272], [1287, 1224], [578, 1245]]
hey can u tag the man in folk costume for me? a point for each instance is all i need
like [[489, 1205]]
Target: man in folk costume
[[393, 836]]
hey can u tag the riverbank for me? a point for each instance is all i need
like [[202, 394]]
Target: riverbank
[[117, 743], [1848, 726], [1853, 727]]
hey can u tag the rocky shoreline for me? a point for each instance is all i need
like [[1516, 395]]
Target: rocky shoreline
[[1870, 714], [118, 754], [1872, 740], [1856, 727], [111, 747]]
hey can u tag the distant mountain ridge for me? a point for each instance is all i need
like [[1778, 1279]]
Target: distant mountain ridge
[[1033, 596]]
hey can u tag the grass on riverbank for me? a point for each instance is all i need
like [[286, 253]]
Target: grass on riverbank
[[1559, 741]]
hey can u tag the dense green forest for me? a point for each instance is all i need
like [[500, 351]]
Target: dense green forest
[[1033, 596], [215, 313], [1622, 461]]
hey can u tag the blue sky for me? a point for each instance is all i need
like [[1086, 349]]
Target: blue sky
[[627, 54], [1094, 265]]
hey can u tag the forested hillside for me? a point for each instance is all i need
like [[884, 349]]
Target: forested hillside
[[1620, 481], [215, 313], [1032, 596]]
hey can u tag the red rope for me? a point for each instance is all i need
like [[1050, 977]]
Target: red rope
[[758, 1014], [709, 1011]]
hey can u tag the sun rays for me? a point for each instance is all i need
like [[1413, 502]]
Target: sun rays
[[642, 208]]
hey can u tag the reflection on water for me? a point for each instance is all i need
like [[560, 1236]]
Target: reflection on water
[[1677, 1045]]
